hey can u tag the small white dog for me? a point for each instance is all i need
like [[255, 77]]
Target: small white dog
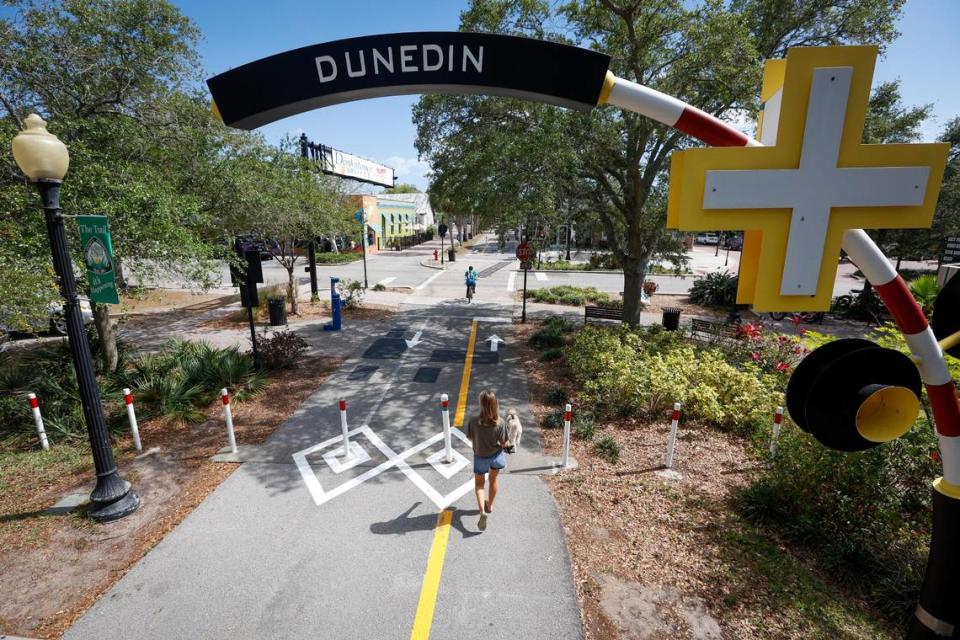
[[514, 431]]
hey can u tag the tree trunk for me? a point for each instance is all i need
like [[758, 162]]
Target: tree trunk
[[118, 273], [633, 275], [292, 290], [108, 338]]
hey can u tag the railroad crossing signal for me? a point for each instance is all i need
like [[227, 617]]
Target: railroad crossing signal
[[798, 196]]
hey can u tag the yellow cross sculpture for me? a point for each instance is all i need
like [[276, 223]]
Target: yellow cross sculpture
[[813, 180]]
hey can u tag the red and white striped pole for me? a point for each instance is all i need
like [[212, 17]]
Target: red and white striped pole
[[567, 417], [228, 417], [38, 420], [777, 420], [344, 428], [445, 414], [132, 417], [672, 440]]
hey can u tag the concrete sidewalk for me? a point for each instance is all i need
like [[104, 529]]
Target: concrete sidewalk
[[300, 543]]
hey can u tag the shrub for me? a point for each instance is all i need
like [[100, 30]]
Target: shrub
[[565, 294], [560, 323], [280, 350], [556, 396], [583, 426], [924, 290], [351, 293], [863, 513], [644, 371], [547, 338], [551, 355], [337, 258], [608, 261], [379, 287], [553, 420], [715, 290], [608, 448]]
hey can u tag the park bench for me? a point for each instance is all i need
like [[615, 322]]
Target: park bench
[[706, 331], [602, 313]]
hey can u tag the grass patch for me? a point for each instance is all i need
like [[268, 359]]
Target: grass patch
[[758, 576]]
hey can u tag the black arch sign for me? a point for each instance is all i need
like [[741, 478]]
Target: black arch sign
[[325, 74]]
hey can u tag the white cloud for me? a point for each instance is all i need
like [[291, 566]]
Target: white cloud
[[412, 170]]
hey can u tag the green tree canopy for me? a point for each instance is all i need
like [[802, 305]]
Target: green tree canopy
[[708, 54]]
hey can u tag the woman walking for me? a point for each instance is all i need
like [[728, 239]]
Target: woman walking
[[488, 432]]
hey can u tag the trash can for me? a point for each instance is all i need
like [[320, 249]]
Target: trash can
[[278, 311], [671, 318], [452, 255]]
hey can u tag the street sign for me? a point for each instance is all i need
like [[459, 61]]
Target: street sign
[[525, 252], [98, 256], [951, 251], [442, 229]]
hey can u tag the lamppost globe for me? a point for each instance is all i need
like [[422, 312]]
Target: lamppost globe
[[39, 153]]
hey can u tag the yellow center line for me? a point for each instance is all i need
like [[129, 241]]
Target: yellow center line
[[465, 380], [431, 579]]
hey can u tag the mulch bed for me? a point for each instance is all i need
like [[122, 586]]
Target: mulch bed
[[54, 578], [657, 558]]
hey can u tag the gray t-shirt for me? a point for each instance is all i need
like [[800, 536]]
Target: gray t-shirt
[[486, 438]]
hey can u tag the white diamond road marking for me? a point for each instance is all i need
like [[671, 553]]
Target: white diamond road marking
[[394, 459], [338, 464], [447, 469]]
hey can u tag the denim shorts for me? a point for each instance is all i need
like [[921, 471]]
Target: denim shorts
[[483, 465]]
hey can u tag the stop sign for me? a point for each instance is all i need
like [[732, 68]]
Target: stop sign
[[525, 252]]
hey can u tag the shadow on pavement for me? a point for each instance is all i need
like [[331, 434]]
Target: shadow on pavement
[[405, 523]]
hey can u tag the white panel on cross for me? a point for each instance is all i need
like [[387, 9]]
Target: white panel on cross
[[817, 185]]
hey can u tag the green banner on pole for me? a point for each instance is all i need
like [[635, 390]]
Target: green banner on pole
[[98, 256]]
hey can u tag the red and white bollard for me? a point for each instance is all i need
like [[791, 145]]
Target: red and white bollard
[[38, 420], [445, 414], [228, 417], [344, 428], [567, 417], [132, 417], [777, 420], [672, 441]]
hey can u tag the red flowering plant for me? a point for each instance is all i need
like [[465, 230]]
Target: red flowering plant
[[771, 352]]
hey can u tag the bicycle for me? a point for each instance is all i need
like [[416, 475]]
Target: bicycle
[[809, 317], [471, 289]]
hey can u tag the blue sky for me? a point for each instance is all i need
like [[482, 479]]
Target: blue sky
[[236, 32]]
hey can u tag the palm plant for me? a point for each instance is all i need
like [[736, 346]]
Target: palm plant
[[924, 289]]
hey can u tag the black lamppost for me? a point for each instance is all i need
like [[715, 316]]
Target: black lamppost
[[44, 160]]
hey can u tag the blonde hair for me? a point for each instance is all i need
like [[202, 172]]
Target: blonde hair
[[489, 407]]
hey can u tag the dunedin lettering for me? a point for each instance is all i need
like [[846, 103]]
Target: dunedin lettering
[[412, 59], [331, 73]]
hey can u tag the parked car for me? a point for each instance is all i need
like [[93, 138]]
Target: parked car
[[267, 248], [708, 238], [56, 322]]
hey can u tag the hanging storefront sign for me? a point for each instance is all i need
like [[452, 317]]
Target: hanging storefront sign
[[320, 75], [98, 256], [347, 165]]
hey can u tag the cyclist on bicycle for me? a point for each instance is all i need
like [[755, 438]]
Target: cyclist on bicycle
[[470, 279]]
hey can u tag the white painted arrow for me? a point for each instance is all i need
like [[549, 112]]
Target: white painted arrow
[[494, 341], [416, 337]]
